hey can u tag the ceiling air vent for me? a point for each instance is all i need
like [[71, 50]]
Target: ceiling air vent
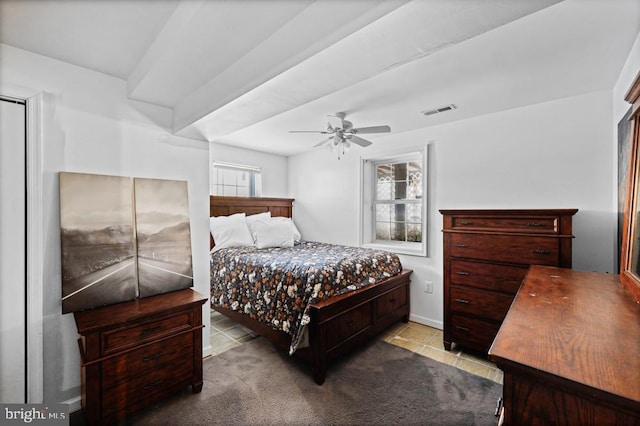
[[439, 110]]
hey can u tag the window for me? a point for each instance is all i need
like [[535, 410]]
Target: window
[[394, 202], [235, 180]]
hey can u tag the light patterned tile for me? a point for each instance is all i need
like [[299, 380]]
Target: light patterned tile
[[474, 368], [408, 344], [439, 355]]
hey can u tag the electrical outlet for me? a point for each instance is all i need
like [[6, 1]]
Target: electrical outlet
[[428, 287]]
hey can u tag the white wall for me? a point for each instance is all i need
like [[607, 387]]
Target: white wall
[[551, 155], [91, 127], [273, 166]]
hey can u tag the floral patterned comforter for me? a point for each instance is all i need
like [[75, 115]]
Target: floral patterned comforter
[[277, 285]]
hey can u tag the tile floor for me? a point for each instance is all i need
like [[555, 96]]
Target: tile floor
[[424, 340]]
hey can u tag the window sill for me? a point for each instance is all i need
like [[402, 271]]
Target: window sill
[[398, 248]]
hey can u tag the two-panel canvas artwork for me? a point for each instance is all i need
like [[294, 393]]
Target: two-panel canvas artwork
[[122, 238]]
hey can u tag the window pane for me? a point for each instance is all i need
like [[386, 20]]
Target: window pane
[[398, 232], [228, 177], [414, 213], [243, 191], [382, 230], [399, 190], [414, 233], [383, 191], [398, 212], [400, 171], [383, 213], [384, 172], [229, 191], [414, 184]]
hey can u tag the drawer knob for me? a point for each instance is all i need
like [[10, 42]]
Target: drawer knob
[[534, 224], [459, 327], [460, 245], [152, 357], [466, 302], [540, 251], [151, 330], [462, 273], [466, 222]]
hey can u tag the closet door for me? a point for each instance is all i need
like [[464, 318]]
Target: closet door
[[12, 253]]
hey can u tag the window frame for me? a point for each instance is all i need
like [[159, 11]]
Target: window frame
[[367, 204]]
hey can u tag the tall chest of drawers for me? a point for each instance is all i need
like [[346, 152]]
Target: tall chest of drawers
[[486, 256], [138, 352]]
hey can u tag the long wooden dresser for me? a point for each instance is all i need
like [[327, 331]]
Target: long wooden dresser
[[570, 351], [486, 256]]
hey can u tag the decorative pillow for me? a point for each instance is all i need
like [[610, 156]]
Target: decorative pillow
[[273, 233], [230, 231], [296, 234], [252, 219]]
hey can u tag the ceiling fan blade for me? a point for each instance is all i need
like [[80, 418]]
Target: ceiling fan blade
[[309, 131], [372, 129], [323, 142], [359, 141]]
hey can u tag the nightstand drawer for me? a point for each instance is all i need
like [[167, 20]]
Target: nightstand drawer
[[488, 276], [481, 303], [122, 338], [475, 333], [532, 224], [147, 386], [506, 248], [121, 368]]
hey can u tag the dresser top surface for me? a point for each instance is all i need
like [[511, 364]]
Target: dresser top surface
[[122, 313], [580, 326], [508, 212]]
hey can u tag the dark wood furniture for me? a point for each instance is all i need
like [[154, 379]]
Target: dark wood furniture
[[570, 351], [486, 255], [630, 250], [137, 352], [338, 325]]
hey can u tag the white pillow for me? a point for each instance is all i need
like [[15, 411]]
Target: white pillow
[[273, 233], [296, 234], [230, 231], [252, 219]]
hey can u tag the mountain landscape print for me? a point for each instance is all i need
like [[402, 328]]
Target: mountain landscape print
[[98, 241], [163, 236]]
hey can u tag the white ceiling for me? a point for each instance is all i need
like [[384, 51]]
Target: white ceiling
[[244, 72]]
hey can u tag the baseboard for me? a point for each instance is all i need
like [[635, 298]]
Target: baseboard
[[75, 404], [426, 321], [207, 351]]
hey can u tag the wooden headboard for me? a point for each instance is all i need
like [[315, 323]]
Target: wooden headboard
[[225, 206]]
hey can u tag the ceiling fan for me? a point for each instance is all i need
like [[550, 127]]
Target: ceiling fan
[[342, 133]]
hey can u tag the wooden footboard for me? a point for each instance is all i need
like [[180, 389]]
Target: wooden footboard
[[340, 324]]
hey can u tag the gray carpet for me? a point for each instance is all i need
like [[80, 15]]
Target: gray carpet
[[379, 384]]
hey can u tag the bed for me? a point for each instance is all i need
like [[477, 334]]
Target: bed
[[353, 314]]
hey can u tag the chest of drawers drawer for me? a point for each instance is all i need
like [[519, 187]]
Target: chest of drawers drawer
[[489, 276], [482, 303], [475, 333], [535, 250], [528, 224]]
